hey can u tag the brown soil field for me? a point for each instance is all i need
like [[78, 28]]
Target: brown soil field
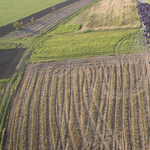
[[91, 103], [8, 61]]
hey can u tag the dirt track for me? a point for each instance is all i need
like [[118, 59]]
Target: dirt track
[[49, 20]]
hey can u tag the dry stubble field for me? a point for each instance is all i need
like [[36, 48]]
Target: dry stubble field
[[90, 103], [113, 14]]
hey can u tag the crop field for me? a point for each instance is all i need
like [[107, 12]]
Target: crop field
[[59, 46], [90, 103], [11, 11], [113, 14]]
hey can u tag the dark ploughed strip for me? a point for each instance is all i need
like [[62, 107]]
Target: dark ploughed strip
[[8, 61]]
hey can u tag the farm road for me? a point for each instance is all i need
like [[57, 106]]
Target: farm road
[[49, 20]]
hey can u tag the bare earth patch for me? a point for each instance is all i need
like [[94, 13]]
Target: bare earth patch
[[8, 61], [88, 103]]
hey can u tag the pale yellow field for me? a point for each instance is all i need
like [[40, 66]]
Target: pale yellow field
[[112, 14]]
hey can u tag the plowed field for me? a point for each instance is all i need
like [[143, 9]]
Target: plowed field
[[8, 61], [91, 103]]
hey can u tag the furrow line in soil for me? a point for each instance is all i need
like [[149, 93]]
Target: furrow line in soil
[[12, 119], [43, 112], [134, 110], [118, 110], [35, 132], [121, 95], [18, 110], [53, 110], [127, 122], [30, 74], [24, 132], [137, 77], [50, 140], [82, 114]]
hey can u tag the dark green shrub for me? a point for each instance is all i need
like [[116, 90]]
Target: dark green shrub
[[18, 25]]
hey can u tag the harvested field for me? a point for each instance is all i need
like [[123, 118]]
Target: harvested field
[[90, 103], [113, 14], [8, 61]]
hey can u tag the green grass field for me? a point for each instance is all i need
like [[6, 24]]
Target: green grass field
[[11, 11], [79, 45]]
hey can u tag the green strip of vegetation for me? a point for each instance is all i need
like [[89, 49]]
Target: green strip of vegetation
[[80, 18], [3, 83], [89, 44], [66, 29]]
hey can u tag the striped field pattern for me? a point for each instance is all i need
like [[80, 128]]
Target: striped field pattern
[[93, 103]]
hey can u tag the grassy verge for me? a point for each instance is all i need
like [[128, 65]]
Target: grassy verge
[[2, 88]]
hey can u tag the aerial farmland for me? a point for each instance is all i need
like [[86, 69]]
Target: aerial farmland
[[76, 79]]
